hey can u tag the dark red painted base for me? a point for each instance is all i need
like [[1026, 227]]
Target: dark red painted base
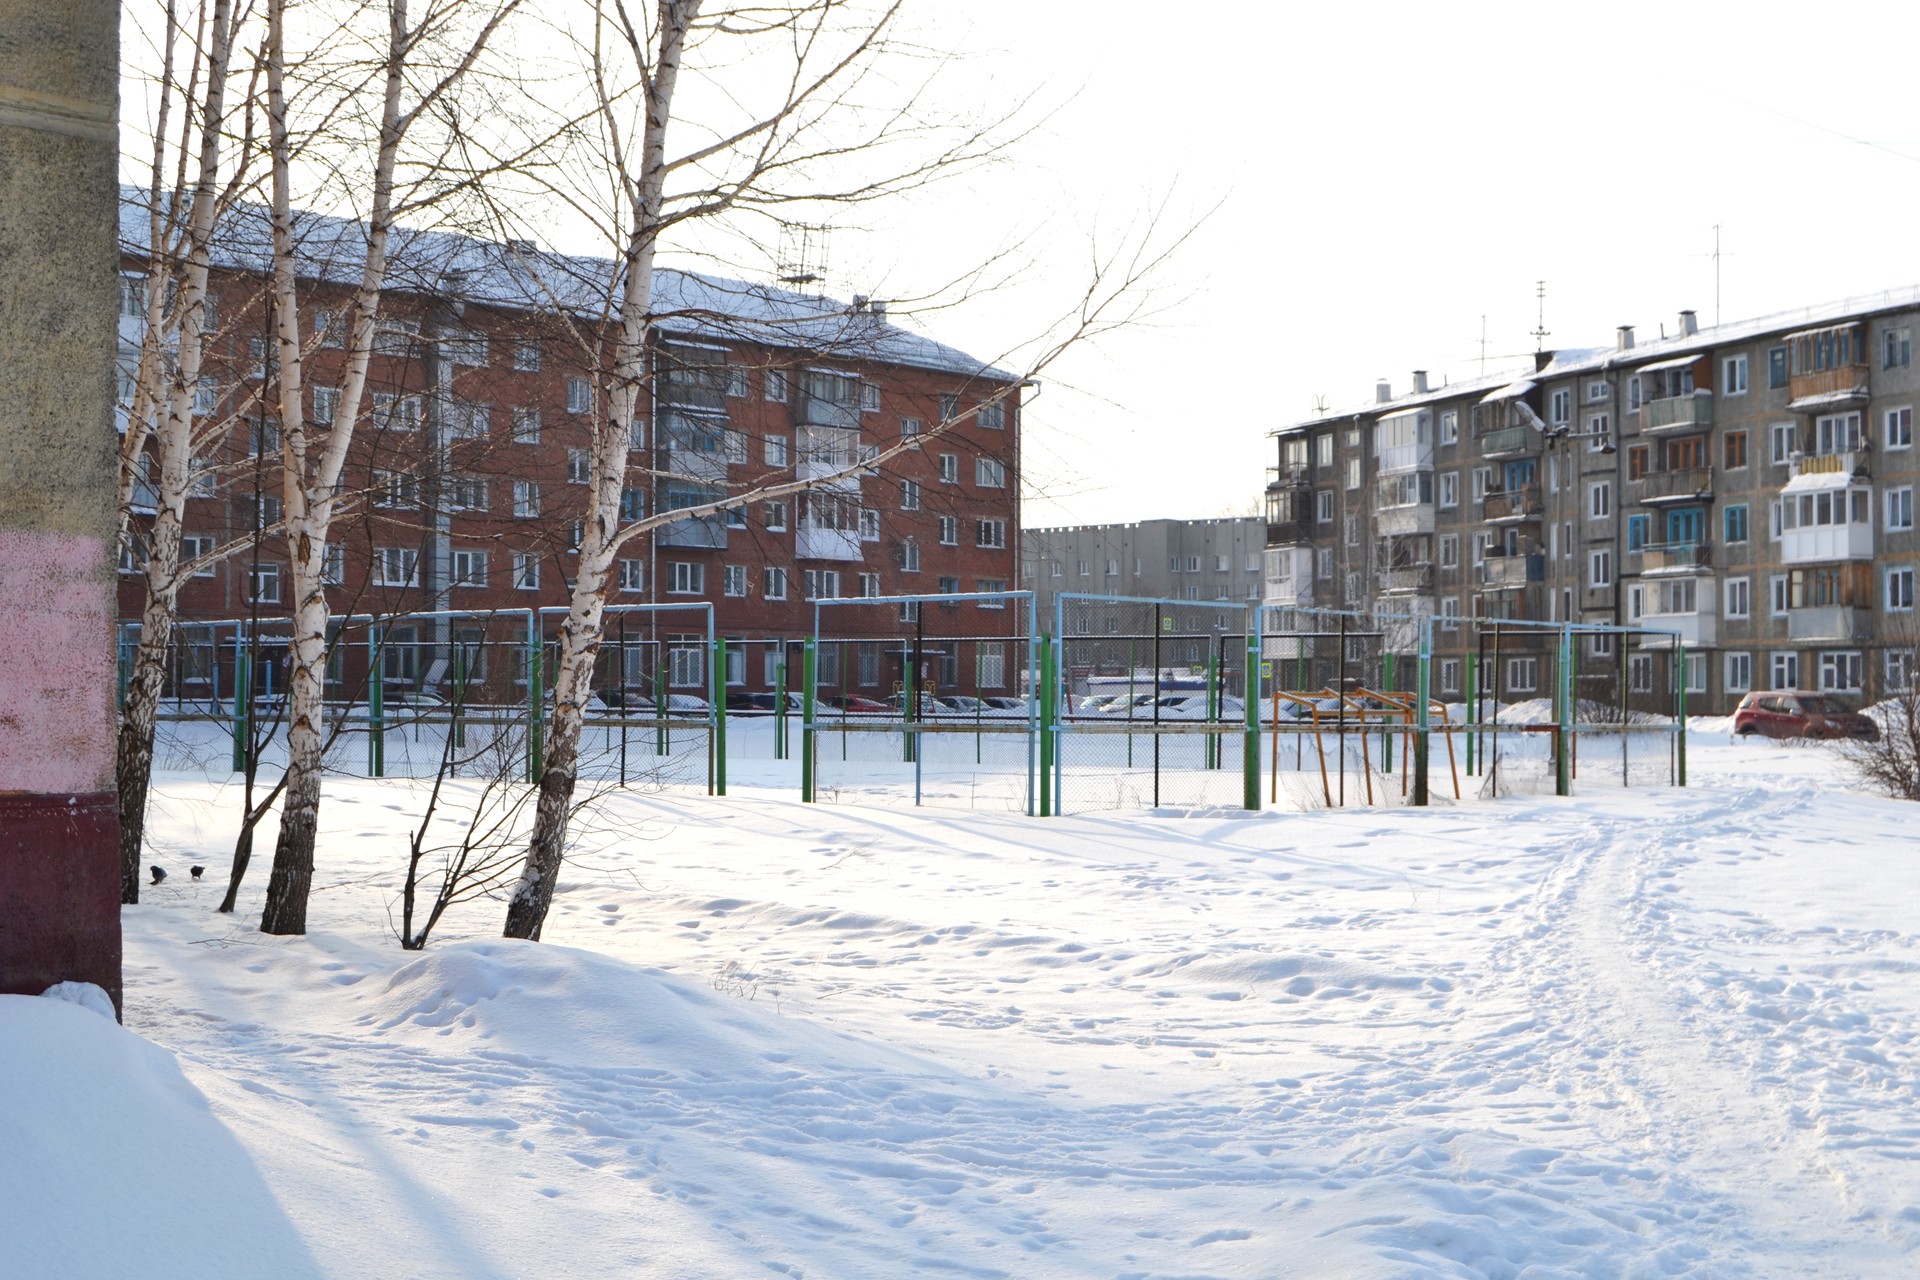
[[59, 892]]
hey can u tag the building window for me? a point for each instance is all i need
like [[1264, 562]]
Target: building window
[[1900, 509], [526, 571], [1786, 670], [950, 468], [991, 587], [1736, 524], [776, 451], [988, 473], [1637, 529], [869, 525], [1323, 506], [736, 447], [1449, 489], [1353, 473], [1777, 368], [1597, 391], [1899, 670], [909, 428], [526, 498], [993, 416], [1600, 569], [579, 395], [396, 567], [1449, 551], [1734, 450], [396, 413], [469, 568], [1323, 564], [1482, 481], [1599, 500], [869, 588], [1640, 673], [909, 495], [1779, 594], [775, 583], [396, 490], [465, 493], [1523, 675], [991, 533], [333, 564], [526, 426], [820, 584], [263, 583], [733, 580], [1737, 672], [1450, 675], [579, 466], [1599, 432], [1898, 348], [910, 556], [949, 531], [1733, 376], [1897, 428], [686, 578], [633, 575], [1781, 433], [1900, 590], [776, 517], [1841, 670], [1739, 598], [1450, 427], [948, 586], [1560, 406]]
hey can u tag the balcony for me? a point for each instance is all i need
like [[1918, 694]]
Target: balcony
[[814, 542], [1686, 484], [1814, 544], [1698, 629], [708, 532], [1837, 623], [819, 412], [1505, 573], [1287, 531], [1505, 442], [1825, 389], [1691, 412], [1507, 506], [1403, 521], [1407, 578], [1852, 462], [1676, 557]]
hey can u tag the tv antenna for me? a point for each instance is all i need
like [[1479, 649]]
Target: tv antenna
[[803, 254], [1540, 331], [1483, 346], [1320, 406]]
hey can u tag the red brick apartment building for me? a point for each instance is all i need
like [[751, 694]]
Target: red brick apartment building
[[468, 467]]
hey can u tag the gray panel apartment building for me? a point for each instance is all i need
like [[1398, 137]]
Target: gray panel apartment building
[[1749, 487], [1217, 559]]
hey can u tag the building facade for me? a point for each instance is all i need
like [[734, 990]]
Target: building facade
[[1746, 490], [1199, 560], [468, 476]]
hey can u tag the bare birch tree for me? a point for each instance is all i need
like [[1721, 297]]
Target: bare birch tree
[[313, 456], [818, 144], [181, 227]]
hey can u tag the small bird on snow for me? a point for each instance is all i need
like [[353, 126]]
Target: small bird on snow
[[196, 871], [159, 873]]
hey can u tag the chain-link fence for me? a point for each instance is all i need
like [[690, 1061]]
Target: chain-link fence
[[1151, 704], [927, 696]]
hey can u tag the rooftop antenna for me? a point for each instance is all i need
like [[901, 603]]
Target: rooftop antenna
[[803, 255], [1483, 346], [1320, 406], [1540, 331]]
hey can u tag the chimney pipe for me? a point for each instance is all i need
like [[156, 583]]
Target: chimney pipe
[[1419, 382], [1688, 324], [1382, 391], [1626, 337]]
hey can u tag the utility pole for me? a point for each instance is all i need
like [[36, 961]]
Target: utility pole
[[59, 213]]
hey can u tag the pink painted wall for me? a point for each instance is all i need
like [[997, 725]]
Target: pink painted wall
[[56, 663]]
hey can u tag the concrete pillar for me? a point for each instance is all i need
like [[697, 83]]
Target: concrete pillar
[[59, 833]]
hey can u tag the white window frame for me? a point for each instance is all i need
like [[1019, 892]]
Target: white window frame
[[733, 580], [774, 580], [1600, 500], [1896, 427], [1733, 376], [526, 571], [1899, 589], [633, 575], [1737, 598], [1899, 509], [686, 577], [1736, 672]]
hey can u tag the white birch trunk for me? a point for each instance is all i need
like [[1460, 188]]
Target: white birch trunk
[[174, 437], [580, 636]]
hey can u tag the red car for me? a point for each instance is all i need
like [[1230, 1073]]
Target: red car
[[1790, 713]]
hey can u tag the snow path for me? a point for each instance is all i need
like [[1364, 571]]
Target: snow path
[[1635, 1034]]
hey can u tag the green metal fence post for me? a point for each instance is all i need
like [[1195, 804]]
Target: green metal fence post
[[377, 703], [536, 699], [719, 683], [1680, 713], [1563, 696], [1422, 715], [780, 706], [1048, 717], [806, 722], [1250, 750], [1212, 754], [242, 701]]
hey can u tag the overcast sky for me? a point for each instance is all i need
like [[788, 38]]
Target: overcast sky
[[1392, 174]]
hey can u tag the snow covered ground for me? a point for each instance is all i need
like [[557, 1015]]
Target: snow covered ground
[[1645, 1033]]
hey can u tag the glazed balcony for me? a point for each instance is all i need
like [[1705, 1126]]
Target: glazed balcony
[[1507, 442], [1676, 557], [1836, 623], [1407, 578], [1508, 506], [1504, 573]]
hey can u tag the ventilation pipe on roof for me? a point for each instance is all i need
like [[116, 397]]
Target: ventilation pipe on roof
[[859, 302], [1382, 391], [1688, 324], [1419, 382], [1625, 332], [878, 307]]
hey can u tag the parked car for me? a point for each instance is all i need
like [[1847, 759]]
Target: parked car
[[1791, 713], [854, 705]]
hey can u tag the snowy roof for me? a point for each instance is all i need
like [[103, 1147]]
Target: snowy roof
[[1815, 481], [1508, 392], [1826, 400], [1679, 362], [519, 276]]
